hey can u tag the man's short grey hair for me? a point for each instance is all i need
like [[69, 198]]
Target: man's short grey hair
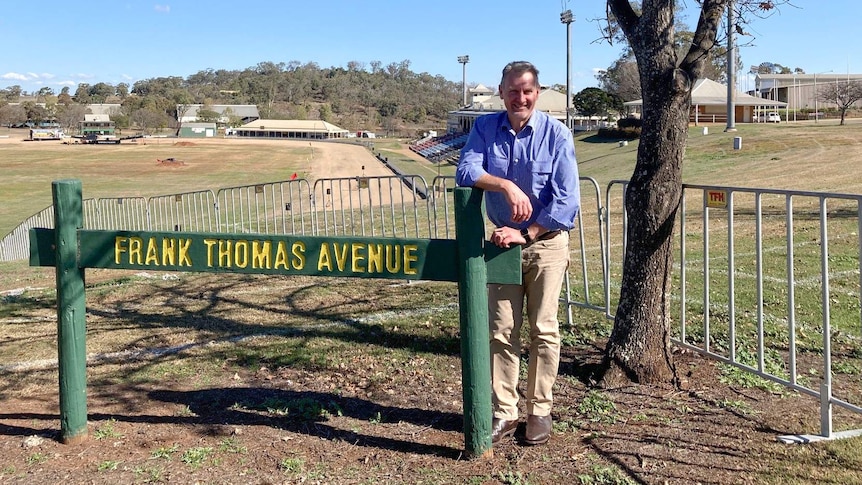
[[517, 68]]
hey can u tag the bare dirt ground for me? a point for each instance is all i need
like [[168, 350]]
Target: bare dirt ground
[[385, 407], [362, 414]]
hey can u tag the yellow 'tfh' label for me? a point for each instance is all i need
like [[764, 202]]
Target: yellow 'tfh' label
[[716, 199]]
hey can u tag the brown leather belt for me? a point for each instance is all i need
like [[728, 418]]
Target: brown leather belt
[[548, 235]]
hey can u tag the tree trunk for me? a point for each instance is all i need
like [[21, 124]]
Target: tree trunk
[[639, 347]]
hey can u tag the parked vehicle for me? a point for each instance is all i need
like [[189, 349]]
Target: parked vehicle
[[46, 134], [771, 117]]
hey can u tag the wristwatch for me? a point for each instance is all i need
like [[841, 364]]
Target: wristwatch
[[525, 233]]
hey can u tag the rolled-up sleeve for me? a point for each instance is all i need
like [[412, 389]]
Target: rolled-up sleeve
[[471, 163], [561, 204]]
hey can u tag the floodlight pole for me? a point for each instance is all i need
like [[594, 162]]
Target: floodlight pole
[[567, 18], [731, 70], [464, 60], [816, 113], [815, 98]]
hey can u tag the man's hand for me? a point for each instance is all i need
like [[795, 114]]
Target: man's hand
[[519, 202], [505, 237]]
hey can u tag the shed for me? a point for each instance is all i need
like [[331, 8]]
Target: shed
[[197, 130]]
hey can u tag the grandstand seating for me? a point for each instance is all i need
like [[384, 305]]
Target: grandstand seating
[[441, 149]]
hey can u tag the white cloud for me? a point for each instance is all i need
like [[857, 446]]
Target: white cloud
[[67, 83], [163, 8], [14, 76]]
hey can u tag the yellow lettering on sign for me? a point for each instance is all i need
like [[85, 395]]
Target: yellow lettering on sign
[[224, 253], [152, 252], [298, 250], [324, 261], [393, 258], [261, 252], [240, 253], [185, 259], [334, 257], [340, 256], [356, 257], [120, 247], [409, 258], [135, 245], [375, 258], [210, 244], [169, 251], [281, 256]]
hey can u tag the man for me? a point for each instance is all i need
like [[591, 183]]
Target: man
[[525, 162]]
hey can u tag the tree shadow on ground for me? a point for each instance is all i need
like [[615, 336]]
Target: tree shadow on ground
[[297, 412], [307, 413]]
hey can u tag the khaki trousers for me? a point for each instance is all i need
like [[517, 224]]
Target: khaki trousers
[[543, 265]]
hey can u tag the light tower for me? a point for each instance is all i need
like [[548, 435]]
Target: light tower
[[567, 18], [464, 60]]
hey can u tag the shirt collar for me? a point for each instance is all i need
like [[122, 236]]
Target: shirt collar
[[531, 123]]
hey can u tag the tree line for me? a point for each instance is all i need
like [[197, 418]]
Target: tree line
[[360, 96]]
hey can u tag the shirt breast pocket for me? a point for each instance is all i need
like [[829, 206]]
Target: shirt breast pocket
[[540, 170], [498, 166]]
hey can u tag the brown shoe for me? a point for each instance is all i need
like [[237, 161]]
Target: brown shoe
[[501, 428], [538, 429]]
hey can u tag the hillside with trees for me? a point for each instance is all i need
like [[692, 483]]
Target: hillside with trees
[[389, 98]]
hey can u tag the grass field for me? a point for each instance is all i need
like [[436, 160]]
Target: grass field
[[804, 156], [351, 362]]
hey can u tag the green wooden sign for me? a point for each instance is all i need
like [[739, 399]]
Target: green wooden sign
[[361, 257], [467, 259]]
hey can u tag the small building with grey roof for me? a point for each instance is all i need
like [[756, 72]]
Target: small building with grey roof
[[291, 129]]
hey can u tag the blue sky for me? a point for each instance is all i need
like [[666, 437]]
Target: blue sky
[[58, 43]]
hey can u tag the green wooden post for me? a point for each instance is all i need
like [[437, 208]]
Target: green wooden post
[[71, 308], [475, 339]]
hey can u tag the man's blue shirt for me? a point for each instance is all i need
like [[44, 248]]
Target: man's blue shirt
[[540, 160]]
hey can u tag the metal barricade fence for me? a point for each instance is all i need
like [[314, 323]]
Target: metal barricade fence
[[16, 244], [441, 200], [128, 213], [587, 247], [190, 211], [386, 206], [769, 281], [285, 207]]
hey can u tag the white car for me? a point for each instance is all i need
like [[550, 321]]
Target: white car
[[771, 117]]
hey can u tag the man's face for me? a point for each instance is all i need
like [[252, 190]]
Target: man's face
[[519, 93]]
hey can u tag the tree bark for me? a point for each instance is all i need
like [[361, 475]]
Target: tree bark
[[639, 348]]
